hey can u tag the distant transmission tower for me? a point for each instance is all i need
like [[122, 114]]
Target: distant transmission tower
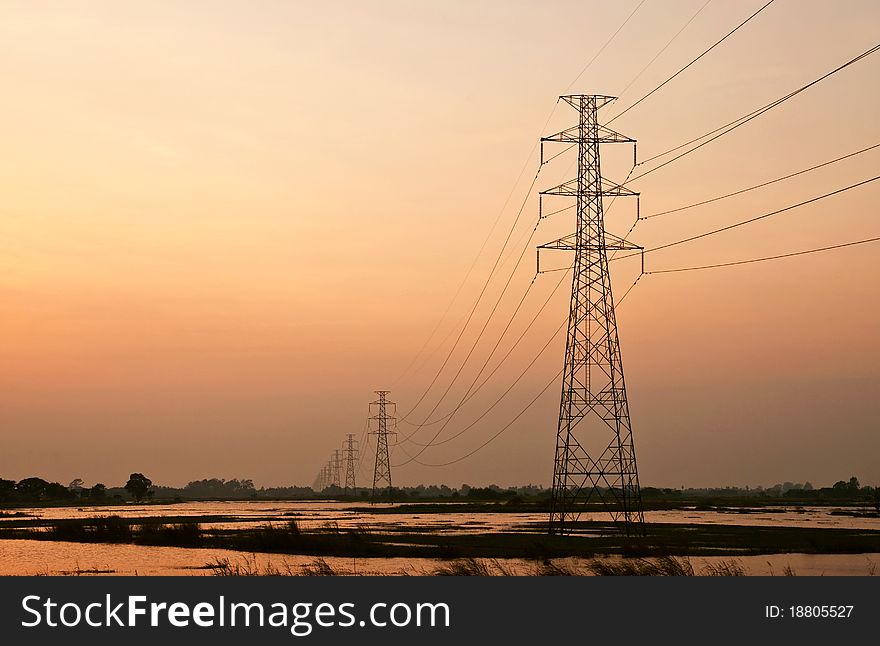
[[336, 469], [349, 451], [595, 458], [321, 482], [382, 470]]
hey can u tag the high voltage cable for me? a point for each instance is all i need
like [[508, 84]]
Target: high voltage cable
[[759, 217], [503, 359], [362, 444], [761, 185], [510, 350], [602, 49], [626, 293], [476, 258], [479, 297], [414, 458], [470, 315], [543, 349], [665, 47], [718, 42], [521, 412], [479, 374], [433, 442], [661, 271], [750, 220], [467, 275], [443, 341], [473, 347], [426, 421], [741, 121], [482, 368], [735, 124], [766, 258], [480, 335]]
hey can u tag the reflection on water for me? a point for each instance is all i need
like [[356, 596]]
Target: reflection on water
[[26, 557], [346, 515], [20, 557]]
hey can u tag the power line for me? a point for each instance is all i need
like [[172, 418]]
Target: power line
[[479, 337], [741, 121], [465, 398], [362, 444], [765, 258], [521, 412], [602, 49], [761, 217], [503, 428], [479, 297], [761, 185], [485, 363], [494, 404], [499, 364], [519, 377], [665, 47], [661, 271], [501, 252], [470, 390], [476, 258], [718, 42], [507, 355]]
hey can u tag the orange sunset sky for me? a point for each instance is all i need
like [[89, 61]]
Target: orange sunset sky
[[223, 225]]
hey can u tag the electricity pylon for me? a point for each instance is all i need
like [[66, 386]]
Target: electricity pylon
[[595, 458], [349, 451], [382, 470], [323, 479], [335, 469]]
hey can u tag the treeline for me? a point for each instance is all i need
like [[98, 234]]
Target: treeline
[[235, 489], [842, 490], [139, 487], [39, 490]]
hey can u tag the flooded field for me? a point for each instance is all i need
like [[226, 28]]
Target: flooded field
[[347, 515], [27, 556]]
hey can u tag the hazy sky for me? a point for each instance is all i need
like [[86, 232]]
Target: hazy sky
[[224, 224]]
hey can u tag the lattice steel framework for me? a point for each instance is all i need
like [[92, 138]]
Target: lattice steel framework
[[382, 470], [336, 468], [350, 455], [318, 484], [595, 459]]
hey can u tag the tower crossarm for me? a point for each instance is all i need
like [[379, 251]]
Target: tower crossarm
[[570, 243], [608, 188], [605, 136]]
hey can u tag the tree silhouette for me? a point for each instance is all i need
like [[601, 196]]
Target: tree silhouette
[[98, 491], [138, 486]]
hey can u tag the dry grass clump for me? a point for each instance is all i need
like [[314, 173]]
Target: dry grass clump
[[318, 567], [247, 566], [663, 566], [550, 568], [473, 567], [730, 567]]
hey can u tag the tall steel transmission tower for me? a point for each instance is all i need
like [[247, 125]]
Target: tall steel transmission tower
[[382, 470], [595, 458], [349, 451]]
